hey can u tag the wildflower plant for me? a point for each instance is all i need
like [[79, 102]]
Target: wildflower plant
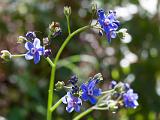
[[118, 95]]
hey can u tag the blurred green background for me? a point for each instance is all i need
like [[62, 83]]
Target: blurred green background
[[136, 60]]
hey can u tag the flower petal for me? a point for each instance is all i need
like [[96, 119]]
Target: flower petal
[[41, 50], [79, 101], [36, 57], [84, 96], [69, 109], [37, 43], [84, 87], [28, 45], [64, 100], [91, 84], [92, 99], [28, 56], [101, 14], [77, 108], [97, 92]]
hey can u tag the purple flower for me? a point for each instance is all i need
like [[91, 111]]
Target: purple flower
[[90, 90], [108, 23], [130, 99], [35, 50], [73, 103]]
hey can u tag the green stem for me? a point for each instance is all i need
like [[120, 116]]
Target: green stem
[[108, 91], [68, 25], [50, 62], [17, 56], [78, 117], [52, 78], [56, 105]]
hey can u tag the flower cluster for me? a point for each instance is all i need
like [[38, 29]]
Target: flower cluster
[[108, 23], [120, 94], [126, 94], [87, 91]]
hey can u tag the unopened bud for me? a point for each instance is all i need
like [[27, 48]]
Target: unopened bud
[[98, 77], [94, 7], [30, 35], [54, 26], [100, 33], [120, 87], [47, 53], [67, 10], [112, 105], [6, 55], [59, 85], [21, 39], [45, 41], [122, 33]]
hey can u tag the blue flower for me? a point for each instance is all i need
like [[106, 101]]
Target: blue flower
[[90, 90], [130, 99], [73, 103], [35, 50], [108, 23]]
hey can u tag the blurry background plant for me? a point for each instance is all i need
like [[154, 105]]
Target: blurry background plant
[[135, 59]]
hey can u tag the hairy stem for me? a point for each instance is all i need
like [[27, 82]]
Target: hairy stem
[[68, 25], [52, 78], [56, 105], [17, 56], [50, 62]]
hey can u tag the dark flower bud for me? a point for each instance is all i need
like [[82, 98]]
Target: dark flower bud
[[57, 32], [100, 33], [112, 84], [67, 10], [6, 55], [30, 35], [47, 53], [59, 85], [126, 86], [73, 80], [75, 89]]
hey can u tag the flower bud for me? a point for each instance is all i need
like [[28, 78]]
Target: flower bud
[[47, 53], [67, 10], [6, 55], [21, 39], [59, 85], [98, 77], [120, 87], [100, 33], [30, 35], [53, 26], [94, 7], [45, 41], [112, 105], [122, 33]]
